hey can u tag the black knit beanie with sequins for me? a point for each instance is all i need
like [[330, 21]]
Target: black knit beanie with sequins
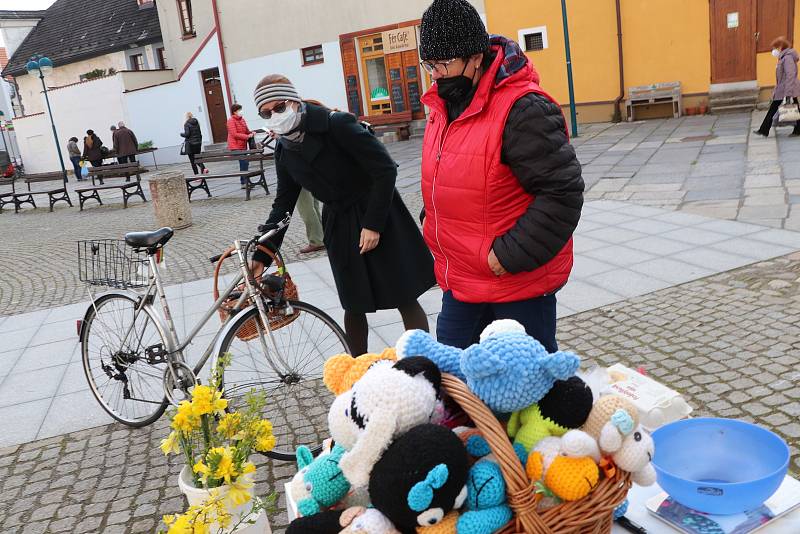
[[451, 29]]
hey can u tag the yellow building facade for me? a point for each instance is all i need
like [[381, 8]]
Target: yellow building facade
[[695, 42]]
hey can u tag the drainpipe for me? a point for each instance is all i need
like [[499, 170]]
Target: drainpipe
[[222, 51], [617, 113]]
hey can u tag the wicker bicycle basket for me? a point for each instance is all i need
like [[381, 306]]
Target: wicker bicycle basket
[[591, 515], [277, 318]]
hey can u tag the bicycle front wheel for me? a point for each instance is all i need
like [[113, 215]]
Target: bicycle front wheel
[[297, 399], [124, 358]]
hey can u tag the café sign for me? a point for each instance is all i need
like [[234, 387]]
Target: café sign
[[399, 40]]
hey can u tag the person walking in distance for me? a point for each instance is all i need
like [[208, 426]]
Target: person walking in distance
[[194, 142], [125, 144], [75, 157], [239, 134], [501, 185], [378, 258], [787, 86]]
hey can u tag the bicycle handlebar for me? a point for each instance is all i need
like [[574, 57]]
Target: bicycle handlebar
[[264, 237]]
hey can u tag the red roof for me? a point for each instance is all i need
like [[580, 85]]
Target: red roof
[[3, 58]]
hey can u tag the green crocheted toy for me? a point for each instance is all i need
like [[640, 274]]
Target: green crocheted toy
[[527, 427], [320, 483]]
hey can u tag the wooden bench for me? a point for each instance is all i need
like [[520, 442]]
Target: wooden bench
[[655, 94], [7, 197], [199, 181], [56, 194], [129, 189]]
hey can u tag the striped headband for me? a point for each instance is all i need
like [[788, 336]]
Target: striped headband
[[275, 91]]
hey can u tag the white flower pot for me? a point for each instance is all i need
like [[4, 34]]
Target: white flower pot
[[197, 496]]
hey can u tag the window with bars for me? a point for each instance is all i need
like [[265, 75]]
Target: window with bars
[[185, 14], [161, 54], [137, 62], [313, 55], [533, 39]]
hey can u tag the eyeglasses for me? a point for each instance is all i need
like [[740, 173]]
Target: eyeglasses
[[267, 113], [437, 66]]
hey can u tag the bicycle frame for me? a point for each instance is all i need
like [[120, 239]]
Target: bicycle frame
[[166, 325]]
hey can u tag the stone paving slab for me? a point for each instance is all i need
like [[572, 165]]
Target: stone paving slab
[[622, 251], [729, 343]]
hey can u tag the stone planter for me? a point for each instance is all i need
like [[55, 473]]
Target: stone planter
[[196, 496]]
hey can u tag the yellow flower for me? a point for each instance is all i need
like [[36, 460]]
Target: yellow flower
[[206, 400], [184, 420], [248, 468], [225, 469], [238, 493], [168, 519], [203, 470], [265, 444], [171, 444], [229, 425], [181, 525]]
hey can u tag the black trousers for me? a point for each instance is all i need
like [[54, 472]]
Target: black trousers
[[194, 164], [127, 159], [773, 109]]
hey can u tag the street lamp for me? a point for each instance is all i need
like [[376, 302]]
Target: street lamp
[[42, 66], [573, 115]]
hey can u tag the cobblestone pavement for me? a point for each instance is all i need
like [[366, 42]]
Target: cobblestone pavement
[[38, 255], [730, 343], [709, 165]]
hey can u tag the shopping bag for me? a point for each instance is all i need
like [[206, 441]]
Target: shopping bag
[[788, 113]]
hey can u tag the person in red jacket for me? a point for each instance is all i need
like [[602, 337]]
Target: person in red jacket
[[238, 136], [501, 185]]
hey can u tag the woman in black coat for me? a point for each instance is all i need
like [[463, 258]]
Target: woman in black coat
[[92, 148], [376, 251], [194, 141]]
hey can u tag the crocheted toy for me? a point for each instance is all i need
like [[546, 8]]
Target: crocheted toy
[[360, 520], [566, 466], [566, 406], [446, 526], [387, 401], [635, 455], [342, 371], [485, 510], [420, 478], [508, 370], [322, 523], [611, 419], [319, 483]]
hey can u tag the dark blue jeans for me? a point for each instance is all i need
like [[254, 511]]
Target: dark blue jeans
[[460, 324], [244, 166], [76, 160]]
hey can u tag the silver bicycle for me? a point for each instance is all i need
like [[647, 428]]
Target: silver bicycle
[[136, 364]]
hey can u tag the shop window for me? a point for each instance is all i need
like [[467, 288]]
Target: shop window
[[161, 54], [185, 15], [313, 55], [137, 62], [533, 39], [775, 19]]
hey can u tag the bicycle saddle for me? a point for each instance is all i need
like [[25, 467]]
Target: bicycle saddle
[[149, 239]]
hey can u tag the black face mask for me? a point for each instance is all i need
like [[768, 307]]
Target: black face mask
[[455, 90]]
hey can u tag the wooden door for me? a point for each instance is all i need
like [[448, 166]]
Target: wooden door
[[413, 82], [352, 79], [376, 75], [733, 40], [215, 104]]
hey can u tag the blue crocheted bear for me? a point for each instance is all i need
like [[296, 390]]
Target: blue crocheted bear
[[508, 370], [485, 510]]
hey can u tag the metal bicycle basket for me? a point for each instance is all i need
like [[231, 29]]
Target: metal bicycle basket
[[111, 263]]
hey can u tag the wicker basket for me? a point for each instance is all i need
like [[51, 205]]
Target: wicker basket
[[277, 319], [591, 515]]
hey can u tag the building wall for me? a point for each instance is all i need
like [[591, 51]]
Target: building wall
[[179, 50], [14, 32], [248, 33], [323, 82], [663, 41], [30, 87]]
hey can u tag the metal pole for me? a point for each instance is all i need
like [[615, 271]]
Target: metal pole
[[573, 114], [55, 134]]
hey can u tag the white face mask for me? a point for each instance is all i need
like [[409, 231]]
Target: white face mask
[[282, 123], [776, 52]]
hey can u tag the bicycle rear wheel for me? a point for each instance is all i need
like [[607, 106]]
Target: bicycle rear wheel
[[126, 378], [297, 399]]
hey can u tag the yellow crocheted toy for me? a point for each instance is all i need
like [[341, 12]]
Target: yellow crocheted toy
[[342, 371], [445, 526], [567, 466], [611, 419]]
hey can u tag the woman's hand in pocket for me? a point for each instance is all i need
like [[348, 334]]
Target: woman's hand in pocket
[[369, 240], [494, 264]]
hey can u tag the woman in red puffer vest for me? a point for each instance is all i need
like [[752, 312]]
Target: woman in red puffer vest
[[238, 136], [501, 184]]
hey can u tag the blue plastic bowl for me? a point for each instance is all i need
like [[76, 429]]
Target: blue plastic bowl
[[719, 466]]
